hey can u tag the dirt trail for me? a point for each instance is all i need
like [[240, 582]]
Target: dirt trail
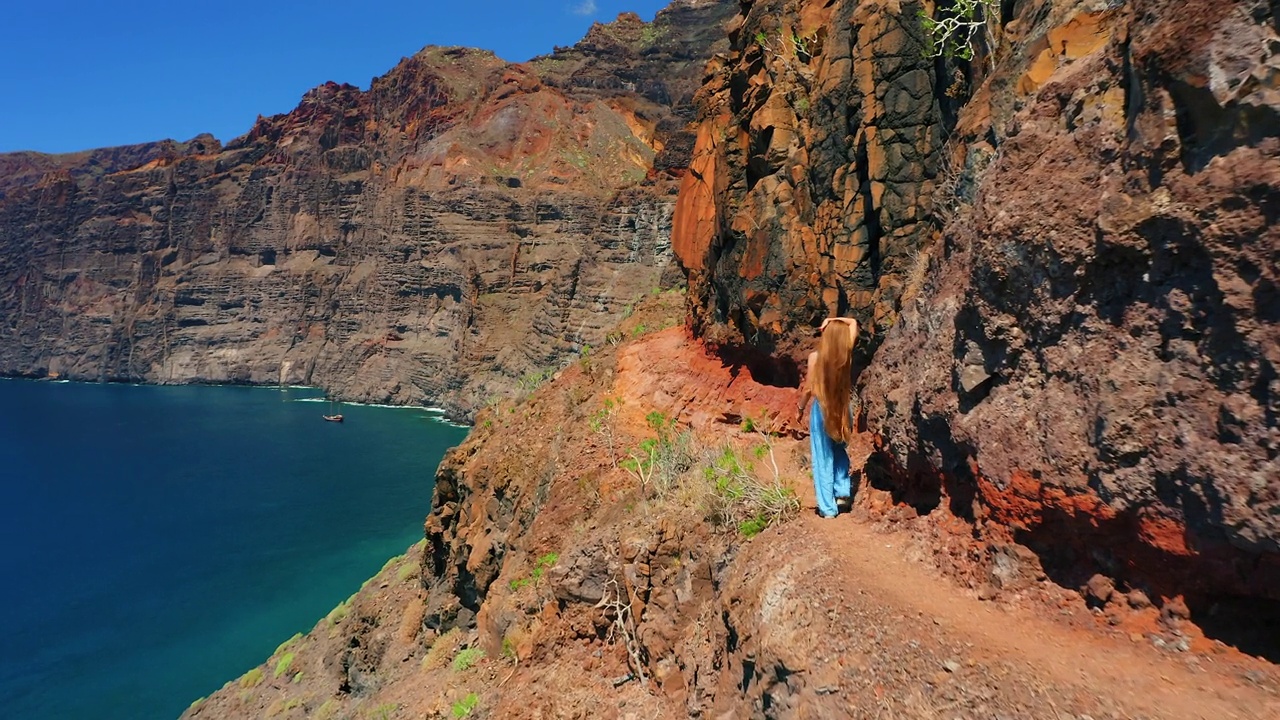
[[1000, 656], [896, 636]]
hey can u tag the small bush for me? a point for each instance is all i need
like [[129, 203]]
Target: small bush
[[953, 34], [282, 665], [287, 643], [252, 679], [466, 658], [337, 614], [533, 380], [740, 498], [384, 711], [441, 649], [466, 705], [660, 460], [406, 571], [754, 526], [602, 424]]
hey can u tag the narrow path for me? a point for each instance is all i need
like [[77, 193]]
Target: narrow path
[[1059, 669]]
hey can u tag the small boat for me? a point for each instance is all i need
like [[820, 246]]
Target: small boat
[[332, 418]]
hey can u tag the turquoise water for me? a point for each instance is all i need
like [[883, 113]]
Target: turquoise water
[[159, 541]]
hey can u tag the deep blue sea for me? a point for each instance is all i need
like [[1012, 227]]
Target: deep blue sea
[[159, 541]]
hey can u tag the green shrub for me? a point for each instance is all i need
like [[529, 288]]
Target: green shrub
[[406, 571], [252, 679], [752, 527], [282, 665], [466, 658], [956, 29], [339, 612], [660, 460], [287, 643], [466, 705], [740, 498]]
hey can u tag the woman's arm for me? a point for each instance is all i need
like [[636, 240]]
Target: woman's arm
[[847, 321], [806, 389]]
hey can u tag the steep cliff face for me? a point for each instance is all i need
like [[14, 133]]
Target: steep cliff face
[[1068, 250], [809, 191], [462, 224], [1094, 355]]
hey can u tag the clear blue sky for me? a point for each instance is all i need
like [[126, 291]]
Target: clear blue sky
[[77, 74]]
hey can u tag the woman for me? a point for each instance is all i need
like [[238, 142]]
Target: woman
[[829, 382]]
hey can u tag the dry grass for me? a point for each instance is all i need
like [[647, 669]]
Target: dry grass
[[442, 650]]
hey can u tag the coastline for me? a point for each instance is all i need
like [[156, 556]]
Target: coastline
[[446, 415]]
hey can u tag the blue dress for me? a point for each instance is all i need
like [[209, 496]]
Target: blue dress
[[830, 464]]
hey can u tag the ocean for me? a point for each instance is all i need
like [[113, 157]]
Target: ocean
[[160, 541]]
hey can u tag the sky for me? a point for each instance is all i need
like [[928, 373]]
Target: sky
[[79, 74]]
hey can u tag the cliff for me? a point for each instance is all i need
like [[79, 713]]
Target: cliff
[[559, 579], [1063, 250], [460, 226]]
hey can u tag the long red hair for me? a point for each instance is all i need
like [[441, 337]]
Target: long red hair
[[832, 380]]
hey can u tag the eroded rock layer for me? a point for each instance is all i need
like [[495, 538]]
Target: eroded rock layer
[[462, 224], [809, 191], [1084, 360]]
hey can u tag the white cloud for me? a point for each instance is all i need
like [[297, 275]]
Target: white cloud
[[586, 7]]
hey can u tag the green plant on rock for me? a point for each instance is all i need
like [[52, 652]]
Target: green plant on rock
[[753, 526], [956, 30], [651, 33], [283, 664], [533, 380], [801, 47], [466, 705], [287, 643], [339, 612], [602, 423], [741, 499], [661, 459], [384, 711], [466, 658], [544, 563], [252, 679]]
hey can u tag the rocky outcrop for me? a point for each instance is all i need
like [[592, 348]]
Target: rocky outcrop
[[1066, 247], [461, 225], [1093, 358], [816, 158]]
